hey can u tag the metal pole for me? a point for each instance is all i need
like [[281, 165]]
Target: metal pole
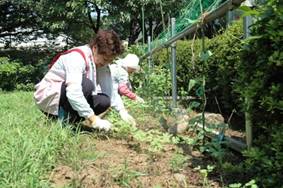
[[230, 17], [149, 49], [247, 23], [173, 60]]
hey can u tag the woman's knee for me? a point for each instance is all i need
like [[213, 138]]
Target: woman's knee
[[104, 100], [101, 103]]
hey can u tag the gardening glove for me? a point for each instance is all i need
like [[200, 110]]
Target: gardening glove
[[139, 99], [97, 123], [127, 117]]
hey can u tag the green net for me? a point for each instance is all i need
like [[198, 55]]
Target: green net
[[188, 16]]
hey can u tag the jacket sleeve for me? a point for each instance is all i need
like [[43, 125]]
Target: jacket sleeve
[[124, 90], [122, 79], [74, 65]]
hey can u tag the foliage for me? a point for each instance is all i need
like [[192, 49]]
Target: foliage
[[219, 71], [78, 20], [222, 68], [155, 84], [178, 161], [30, 145], [8, 73], [215, 149], [259, 74], [205, 172], [250, 184], [13, 74], [267, 160], [123, 175], [260, 82], [25, 20], [238, 70], [128, 22]]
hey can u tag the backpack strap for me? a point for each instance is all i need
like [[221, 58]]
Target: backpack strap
[[66, 52]]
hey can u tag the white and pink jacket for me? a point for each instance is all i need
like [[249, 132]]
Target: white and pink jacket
[[70, 68], [121, 86]]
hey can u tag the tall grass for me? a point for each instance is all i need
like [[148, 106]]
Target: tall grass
[[29, 143]]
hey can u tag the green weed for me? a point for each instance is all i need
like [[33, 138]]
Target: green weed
[[30, 144], [178, 162]]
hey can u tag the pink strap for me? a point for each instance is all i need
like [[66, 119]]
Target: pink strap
[[66, 52]]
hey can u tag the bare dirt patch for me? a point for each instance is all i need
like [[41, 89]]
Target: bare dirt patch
[[124, 163]]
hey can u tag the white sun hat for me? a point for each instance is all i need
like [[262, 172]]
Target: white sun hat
[[130, 61]]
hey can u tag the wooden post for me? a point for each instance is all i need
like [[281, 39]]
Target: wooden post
[[248, 101], [248, 122]]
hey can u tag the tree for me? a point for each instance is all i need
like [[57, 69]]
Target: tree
[[78, 20], [24, 20], [126, 16], [16, 21]]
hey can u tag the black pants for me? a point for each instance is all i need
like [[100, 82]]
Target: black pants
[[99, 103]]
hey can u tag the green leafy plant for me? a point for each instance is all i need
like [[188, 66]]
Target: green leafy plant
[[215, 149], [204, 173], [14, 75], [250, 184], [123, 175], [178, 161], [260, 82]]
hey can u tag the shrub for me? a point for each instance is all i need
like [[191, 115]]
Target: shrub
[[260, 81], [220, 69], [13, 73], [8, 73]]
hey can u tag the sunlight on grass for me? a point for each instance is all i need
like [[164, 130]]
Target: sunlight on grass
[[30, 144]]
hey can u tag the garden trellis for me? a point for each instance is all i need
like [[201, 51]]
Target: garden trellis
[[192, 17], [189, 21]]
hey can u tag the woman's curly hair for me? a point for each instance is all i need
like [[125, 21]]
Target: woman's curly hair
[[107, 42]]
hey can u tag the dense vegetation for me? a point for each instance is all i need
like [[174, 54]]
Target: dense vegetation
[[261, 82], [240, 76], [240, 70]]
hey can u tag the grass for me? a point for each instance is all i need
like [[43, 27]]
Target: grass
[[30, 144]]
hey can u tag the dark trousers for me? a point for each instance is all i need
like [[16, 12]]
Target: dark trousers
[[99, 103]]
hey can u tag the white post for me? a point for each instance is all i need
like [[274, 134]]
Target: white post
[[149, 49]]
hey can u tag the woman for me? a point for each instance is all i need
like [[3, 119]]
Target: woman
[[122, 86], [78, 84]]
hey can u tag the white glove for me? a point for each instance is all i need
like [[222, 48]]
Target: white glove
[[97, 123], [127, 117], [139, 99], [102, 124]]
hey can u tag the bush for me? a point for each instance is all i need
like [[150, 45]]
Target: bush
[[260, 81], [219, 71], [13, 73], [8, 73]]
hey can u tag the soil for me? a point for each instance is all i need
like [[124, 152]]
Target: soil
[[123, 165], [128, 163]]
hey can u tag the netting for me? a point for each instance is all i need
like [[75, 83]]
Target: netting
[[188, 16]]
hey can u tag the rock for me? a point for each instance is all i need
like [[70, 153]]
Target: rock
[[181, 179], [182, 119], [212, 118]]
